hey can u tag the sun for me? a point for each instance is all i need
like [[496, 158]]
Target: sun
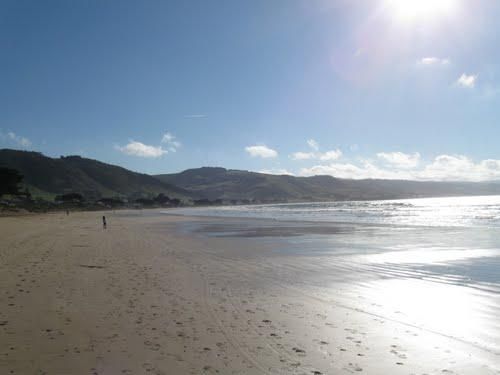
[[412, 10]]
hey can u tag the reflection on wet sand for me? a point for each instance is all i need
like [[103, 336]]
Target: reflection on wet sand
[[414, 275]]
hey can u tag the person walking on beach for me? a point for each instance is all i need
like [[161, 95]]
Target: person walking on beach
[[104, 222]]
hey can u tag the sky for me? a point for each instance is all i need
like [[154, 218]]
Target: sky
[[404, 89]]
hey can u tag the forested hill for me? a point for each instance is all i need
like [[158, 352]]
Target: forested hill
[[50, 176]]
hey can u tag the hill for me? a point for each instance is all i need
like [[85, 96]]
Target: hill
[[47, 177], [219, 183]]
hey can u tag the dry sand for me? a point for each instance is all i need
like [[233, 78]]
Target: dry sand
[[144, 298]]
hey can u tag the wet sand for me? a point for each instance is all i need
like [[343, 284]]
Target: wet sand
[[147, 296]]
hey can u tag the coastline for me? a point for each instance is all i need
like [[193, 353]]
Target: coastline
[[144, 296]]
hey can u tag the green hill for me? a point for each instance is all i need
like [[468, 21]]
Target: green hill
[[220, 183], [46, 176]]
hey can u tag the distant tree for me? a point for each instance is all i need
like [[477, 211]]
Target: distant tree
[[175, 202], [27, 194], [9, 181], [113, 202], [162, 199], [69, 197], [145, 201], [202, 202]]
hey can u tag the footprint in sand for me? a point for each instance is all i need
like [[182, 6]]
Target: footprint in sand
[[395, 350], [354, 367], [299, 351]]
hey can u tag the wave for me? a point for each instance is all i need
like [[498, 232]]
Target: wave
[[451, 211]]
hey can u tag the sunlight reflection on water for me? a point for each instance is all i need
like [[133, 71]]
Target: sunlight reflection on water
[[430, 263], [450, 211], [434, 255], [433, 288], [452, 310]]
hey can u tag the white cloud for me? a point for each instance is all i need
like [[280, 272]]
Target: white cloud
[[142, 150], [467, 81], [167, 137], [171, 142], [335, 170], [442, 168], [352, 171], [261, 151], [303, 155], [135, 148], [278, 171], [330, 155], [429, 61], [459, 167], [316, 154], [16, 139], [400, 159], [313, 144]]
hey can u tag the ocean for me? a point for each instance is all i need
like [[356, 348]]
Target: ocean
[[430, 263], [481, 211]]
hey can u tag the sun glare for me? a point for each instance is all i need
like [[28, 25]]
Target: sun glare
[[411, 10]]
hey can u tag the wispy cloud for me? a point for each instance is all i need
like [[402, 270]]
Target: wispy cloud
[[316, 154], [433, 61], [15, 139], [313, 144], [196, 116], [261, 151], [467, 81], [400, 159], [142, 150], [172, 143]]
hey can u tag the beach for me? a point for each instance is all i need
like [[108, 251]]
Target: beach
[[167, 294]]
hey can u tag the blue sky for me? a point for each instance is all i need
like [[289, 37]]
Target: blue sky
[[381, 88]]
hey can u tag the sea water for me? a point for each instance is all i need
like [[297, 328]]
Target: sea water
[[431, 263], [449, 211]]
